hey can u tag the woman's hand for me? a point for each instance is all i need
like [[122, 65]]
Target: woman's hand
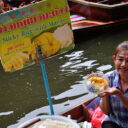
[[114, 91], [105, 103], [109, 91]]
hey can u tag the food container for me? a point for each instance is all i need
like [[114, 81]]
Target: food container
[[33, 122], [102, 10], [96, 82]]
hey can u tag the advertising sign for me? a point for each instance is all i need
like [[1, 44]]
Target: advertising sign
[[46, 24]]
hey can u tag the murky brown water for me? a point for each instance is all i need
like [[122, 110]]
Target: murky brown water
[[22, 93]]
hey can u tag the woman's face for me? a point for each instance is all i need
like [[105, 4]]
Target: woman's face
[[121, 62]]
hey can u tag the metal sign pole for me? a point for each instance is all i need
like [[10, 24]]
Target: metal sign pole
[[44, 74]]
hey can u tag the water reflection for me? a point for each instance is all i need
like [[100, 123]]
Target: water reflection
[[75, 62], [6, 113], [104, 68]]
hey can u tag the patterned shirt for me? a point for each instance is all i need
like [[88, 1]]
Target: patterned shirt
[[119, 113]]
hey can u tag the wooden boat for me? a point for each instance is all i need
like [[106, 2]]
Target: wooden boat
[[101, 10], [95, 14], [80, 113], [82, 23]]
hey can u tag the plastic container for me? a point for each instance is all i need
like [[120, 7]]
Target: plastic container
[[96, 82]]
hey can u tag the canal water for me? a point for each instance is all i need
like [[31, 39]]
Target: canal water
[[22, 93]]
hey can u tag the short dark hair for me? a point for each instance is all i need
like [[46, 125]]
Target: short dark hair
[[121, 46]]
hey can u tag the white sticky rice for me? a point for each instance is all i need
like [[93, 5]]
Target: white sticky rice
[[51, 123]]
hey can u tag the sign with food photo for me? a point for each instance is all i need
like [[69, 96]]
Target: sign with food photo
[[46, 24]]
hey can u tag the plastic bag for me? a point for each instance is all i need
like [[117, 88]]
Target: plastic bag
[[87, 125], [97, 118]]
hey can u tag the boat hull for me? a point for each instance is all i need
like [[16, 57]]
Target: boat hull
[[99, 11], [81, 113]]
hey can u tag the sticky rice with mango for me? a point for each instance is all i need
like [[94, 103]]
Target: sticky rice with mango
[[96, 82]]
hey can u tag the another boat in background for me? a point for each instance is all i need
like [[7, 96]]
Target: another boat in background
[[82, 23], [100, 10], [94, 14]]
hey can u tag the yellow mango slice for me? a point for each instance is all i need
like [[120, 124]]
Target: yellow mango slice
[[48, 43]]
